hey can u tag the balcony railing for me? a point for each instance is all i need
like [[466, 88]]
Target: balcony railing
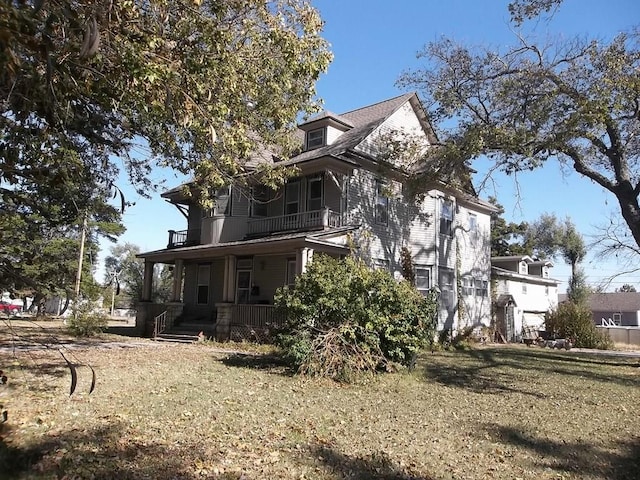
[[315, 219], [183, 238]]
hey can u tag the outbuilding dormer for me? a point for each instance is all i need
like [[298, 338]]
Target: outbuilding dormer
[[323, 129]]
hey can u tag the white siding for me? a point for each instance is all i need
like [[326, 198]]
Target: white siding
[[403, 122]]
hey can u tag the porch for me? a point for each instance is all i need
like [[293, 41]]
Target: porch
[[232, 322], [256, 227]]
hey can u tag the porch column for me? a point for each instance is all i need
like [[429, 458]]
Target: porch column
[[303, 256], [177, 280], [229, 286], [148, 281]]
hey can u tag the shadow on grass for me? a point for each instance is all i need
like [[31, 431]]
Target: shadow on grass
[[266, 362], [99, 453], [496, 370], [616, 461], [377, 466]]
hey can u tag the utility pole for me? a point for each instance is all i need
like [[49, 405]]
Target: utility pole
[[81, 255]]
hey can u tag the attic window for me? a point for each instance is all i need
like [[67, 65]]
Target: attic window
[[316, 138]]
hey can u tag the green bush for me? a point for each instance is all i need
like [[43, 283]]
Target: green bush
[[575, 322], [84, 321], [343, 318]]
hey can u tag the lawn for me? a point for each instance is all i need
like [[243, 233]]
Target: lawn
[[164, 411]]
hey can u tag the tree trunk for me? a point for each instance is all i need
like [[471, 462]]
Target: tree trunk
[[628, 201]]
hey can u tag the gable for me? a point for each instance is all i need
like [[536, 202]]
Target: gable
[[403, 126]]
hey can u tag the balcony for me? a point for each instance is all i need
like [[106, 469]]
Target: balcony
[[183, 238], [313, 220]]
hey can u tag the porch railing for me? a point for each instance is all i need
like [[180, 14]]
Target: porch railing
[[159, 324], [295, 221], [183, 238], [254, 322]]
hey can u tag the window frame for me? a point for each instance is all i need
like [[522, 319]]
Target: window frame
[[481, 287], [287, 197], [381, 214], [314, 140], [320, 200], [425, 268], [259, 200], [202, 283], [243, 266], [446, 217], [468, 286]]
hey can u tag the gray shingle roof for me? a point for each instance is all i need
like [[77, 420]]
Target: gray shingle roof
[[615, 302], [364, 121]]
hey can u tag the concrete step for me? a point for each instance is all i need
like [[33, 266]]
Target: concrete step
[[177, 337]]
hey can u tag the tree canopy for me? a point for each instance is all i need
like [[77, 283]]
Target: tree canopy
[[577, 101], [93, 89]]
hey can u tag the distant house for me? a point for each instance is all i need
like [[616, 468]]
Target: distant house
[[522, 293], [347, 198], [619, 308]]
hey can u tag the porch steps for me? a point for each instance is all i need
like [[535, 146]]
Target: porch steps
[[187, 332], [177, 338]]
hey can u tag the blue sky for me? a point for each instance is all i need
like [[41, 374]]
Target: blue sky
[[374, 41]]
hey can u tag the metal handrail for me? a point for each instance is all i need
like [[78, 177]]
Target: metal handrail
[[159, 324]]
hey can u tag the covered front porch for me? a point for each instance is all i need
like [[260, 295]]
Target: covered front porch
[[228, 289]]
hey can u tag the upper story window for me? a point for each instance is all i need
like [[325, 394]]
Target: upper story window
[[382, 204], [259, 201], [316, 138], [467, 286], [524, 268], [524, 289], [292, 197], [314, 194], [617, 319], [223, 202], [473, 224], [446, 217], [481, 287]]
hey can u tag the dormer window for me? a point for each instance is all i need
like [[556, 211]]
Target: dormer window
[[316, 138]]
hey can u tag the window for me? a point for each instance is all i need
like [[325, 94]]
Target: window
[[617, 318], [259, 201], [423, 279], [546, 291], [446, 217], [314, 194], [446, 288], [473, 225], [244, 266], [223, 202], [382, 204], [316, 138], [292, 198], [481, 287], [524, 289], [291, 272], [202, 293], [381, 264], [467, 286]]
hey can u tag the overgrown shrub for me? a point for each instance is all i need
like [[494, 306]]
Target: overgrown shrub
[[343, 318], [575, 322], [84, 321]]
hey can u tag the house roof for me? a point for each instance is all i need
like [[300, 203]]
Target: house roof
[[264, 245], [615, 302], [497, 272], [364, 120]]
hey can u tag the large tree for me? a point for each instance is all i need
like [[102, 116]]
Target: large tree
[[575, 101], [91, 88]]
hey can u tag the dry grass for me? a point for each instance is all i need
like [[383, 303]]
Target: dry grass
[[190, 411]]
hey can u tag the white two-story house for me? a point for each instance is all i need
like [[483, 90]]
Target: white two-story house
[[523, 293], [345, 200]]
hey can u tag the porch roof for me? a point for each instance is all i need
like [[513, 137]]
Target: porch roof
[[259, 246]]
